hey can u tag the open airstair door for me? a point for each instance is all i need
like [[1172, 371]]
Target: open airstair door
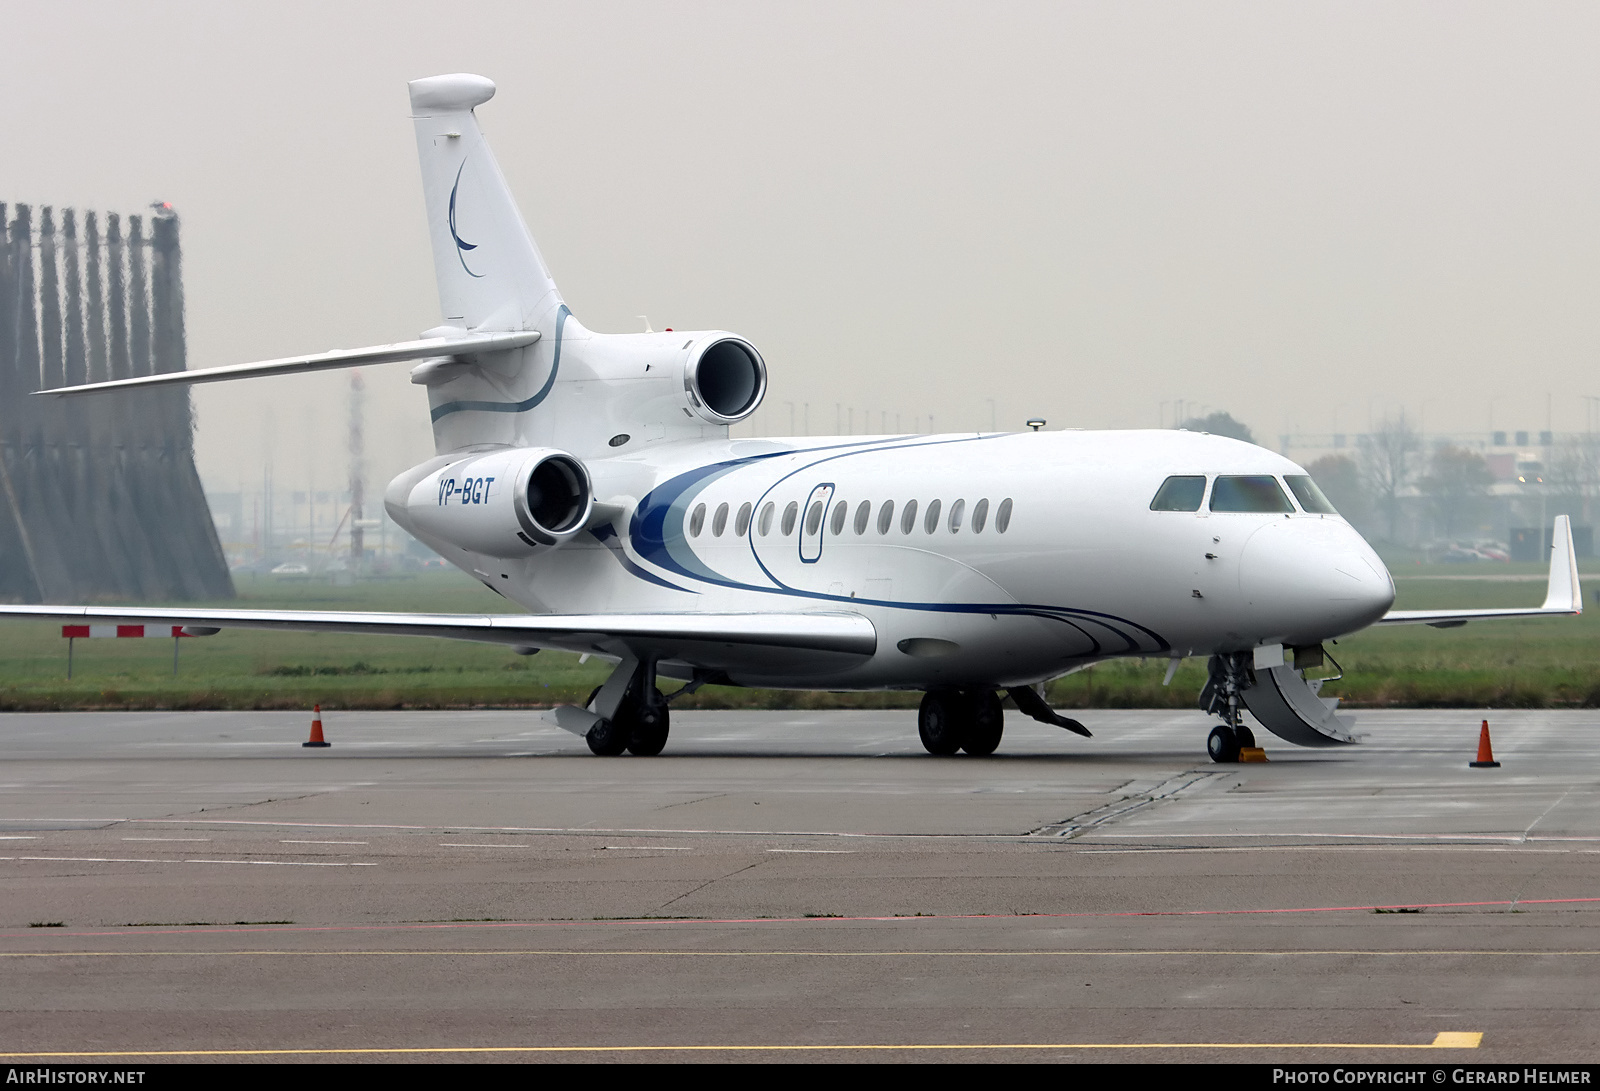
[[1292, 709]]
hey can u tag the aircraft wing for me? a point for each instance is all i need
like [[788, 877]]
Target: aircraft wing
[[693, 638], [1564, 595], [427, 348]]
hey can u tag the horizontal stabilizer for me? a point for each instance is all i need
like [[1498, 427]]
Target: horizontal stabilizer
[[471, 344], [687, 637], [1563, 597]]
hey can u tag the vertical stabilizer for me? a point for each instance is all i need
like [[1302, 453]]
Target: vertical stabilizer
[[491, 275]]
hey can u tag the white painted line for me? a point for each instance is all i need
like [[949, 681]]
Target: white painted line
[[18, 837], [166, 838], [817, 852], [287, 863], [465, 845], [141, 860], [651, 848], [92, 859], [314, 842]]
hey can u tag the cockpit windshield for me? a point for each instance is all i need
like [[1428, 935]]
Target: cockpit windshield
[[1311, 499], [1256, 493], [1180, 494]]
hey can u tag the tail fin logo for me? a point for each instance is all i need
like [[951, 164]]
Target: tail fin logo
[[462, 246]]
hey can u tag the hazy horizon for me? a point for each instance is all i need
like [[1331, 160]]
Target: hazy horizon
[[1306, 215]]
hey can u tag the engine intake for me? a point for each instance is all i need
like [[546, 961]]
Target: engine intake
[[725, 379], [509, 503]]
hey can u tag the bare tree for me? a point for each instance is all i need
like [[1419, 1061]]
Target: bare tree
[[1388, 461], [1573, 474], [1457, 483], [1340, 480]]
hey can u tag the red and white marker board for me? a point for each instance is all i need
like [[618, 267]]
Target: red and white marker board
[[84, 632]]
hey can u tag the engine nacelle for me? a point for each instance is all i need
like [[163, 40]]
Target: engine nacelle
[[725, 379], [506, 503]]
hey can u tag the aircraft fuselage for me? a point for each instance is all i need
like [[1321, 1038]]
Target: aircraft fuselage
[[981, 559]]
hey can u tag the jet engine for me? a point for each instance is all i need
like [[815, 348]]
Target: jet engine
[[506, 503], [724, 378]]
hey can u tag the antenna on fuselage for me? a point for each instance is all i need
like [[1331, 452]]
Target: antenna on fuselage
[[646, 320], [1035, 423]]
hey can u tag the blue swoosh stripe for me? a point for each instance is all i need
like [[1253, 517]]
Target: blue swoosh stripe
[[461, 245], [514, 407], [657, 527], [606, 535]]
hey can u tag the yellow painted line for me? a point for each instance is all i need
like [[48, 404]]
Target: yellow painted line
[[1445, 1040], [567, 953]]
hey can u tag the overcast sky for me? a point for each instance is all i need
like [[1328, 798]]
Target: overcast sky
[[1307, 214]]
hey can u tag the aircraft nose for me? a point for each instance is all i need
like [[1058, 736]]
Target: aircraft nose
[[1312, 579]]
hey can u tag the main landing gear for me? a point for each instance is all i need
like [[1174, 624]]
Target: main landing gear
[[639, 727], [952, 719], [632, 713]]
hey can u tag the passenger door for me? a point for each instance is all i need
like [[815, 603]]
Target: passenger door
[[814, 523]]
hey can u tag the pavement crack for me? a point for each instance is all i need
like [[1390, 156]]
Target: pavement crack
[[708, 882], [687, 802], [1136, 799], [1546, 813]]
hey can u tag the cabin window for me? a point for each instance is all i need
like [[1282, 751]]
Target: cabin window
[[886, 517], [957, 510], [741, 522], [790, 514], [1180, 494], [980, 515], [931, 523], [766, 519], [841, 511], [719, 521], [814, 517], [1002, 516], [1311, 499], [908, 519], [697, 520], [863, 516], [1259, 493]]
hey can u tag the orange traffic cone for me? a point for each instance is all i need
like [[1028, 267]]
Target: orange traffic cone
[[1485, 754], [316, 729]]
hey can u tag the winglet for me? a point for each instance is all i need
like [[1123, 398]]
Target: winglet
[[1564, 595]]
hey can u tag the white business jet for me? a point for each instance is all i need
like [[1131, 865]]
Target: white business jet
[[590, 478]]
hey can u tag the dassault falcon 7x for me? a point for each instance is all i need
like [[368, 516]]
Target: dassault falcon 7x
[[591, 479]]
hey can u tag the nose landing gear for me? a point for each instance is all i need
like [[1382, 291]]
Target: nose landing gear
[[1279, 697], [1229, 677]]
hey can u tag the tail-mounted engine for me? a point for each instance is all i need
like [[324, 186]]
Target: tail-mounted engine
[[507, 503], [725, 379]]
